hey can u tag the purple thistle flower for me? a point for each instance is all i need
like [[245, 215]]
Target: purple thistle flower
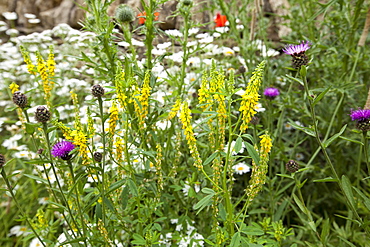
[[362, 116], [62, 149], [297, 49], [271, 92]]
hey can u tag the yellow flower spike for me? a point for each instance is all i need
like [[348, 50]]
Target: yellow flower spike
[[250, 97], [13, 87], [189, 134], [175, 109], [113, 118], [259, 172], [141, 101], [26, 57], [50, 63], [119, 83]]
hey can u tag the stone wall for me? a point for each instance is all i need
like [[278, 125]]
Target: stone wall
[[53, 12]]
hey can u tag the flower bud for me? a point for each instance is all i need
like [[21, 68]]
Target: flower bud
[[98, 156], [97, 91], [124, 13], [292, 166], [42, 114], [2, 160], [20, 99]]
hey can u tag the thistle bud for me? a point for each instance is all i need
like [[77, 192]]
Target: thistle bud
[[187, 2], [98, 156], [2, 160], [292, 166], [20, 99], [124, 13], [97, 91], [42, 114]]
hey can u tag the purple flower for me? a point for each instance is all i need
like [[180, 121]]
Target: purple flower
[[360, 115], [297, 49], [62, 149], [271, 92]]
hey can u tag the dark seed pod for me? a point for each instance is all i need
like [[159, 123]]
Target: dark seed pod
[[97, 91], [98, 156], [20, 99], [42, 114], [292, 166], [2, 160]]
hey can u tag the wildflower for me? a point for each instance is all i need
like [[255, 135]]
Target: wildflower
[[174, 109], [189, 134], [36, 243], [271, 92], [42, 114], [142, 17], [2, 160], [18, 231], [362, 117], [251, 96], [20, 99], [124, 13], [113, 118], [50, 63], [241, 168], [97, 91], [298, 53], [14, 87], [220, 20], [292, 166], [62, 150]]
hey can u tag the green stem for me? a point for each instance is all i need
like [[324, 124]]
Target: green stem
[[366, 150], [103, 159], [327, 158], [45, 129], [19, 206]]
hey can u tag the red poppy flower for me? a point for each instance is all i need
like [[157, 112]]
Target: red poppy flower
[[142, 18], [220, 20]]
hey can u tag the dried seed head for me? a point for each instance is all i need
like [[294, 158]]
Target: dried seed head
[[97, 91], [98, 156], [42, 114], [20, 99], [292, 166]]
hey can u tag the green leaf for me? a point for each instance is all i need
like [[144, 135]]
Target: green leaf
[[285, 176], [325, 231], [33, 162], [138, 239], [124, 197], [308, 131], [30, 128], [331, 139], [295, 79], [328, 179], [209, 242], [133, 187], [235, 241], [42, 180], [303, 71], [210, 158], [116, 185], [351, 140], [238, 144], [300, 205], [347, 188], [312, 225], [320, 96], [206, 201], [208, 191], [253, 153], [252, 230], [366, 200], [222, 211]]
